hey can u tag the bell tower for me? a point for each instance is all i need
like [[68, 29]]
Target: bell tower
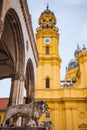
[[47, 41], [67, 105], [48, 70]]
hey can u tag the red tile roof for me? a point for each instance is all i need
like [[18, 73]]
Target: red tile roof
[[3, 103]]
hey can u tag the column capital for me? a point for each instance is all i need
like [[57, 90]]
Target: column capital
[[18, 76]]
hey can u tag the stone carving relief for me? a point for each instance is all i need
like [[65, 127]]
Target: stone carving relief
[[82, 115]]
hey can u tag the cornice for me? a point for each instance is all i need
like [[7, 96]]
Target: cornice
[[63, 93], [52, 60], [47, 33], [74, 99], [27, 18], [63, 99]]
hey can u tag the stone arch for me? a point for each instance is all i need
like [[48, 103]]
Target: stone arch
[[6, 61], [12, 46], [30, 82]]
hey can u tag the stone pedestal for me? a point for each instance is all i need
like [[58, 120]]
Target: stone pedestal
[[23, 128]]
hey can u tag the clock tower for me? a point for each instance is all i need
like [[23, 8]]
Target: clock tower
[[47, 40], [67, 103], [48, 70]]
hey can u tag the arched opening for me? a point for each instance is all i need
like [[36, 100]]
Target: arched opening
[[47, 50], [29, 82], [47, 83], [12, 52]]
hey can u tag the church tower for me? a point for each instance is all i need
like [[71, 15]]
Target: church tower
[[48, 71], [47, 40]]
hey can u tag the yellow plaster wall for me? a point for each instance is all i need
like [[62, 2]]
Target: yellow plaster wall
[[1, 117], [67, 106]]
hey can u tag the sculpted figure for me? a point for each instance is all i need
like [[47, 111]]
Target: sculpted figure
[[47, 123], [29, 113]]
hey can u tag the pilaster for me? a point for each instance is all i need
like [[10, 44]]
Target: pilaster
[[82, 59]]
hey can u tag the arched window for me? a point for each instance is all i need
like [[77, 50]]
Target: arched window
[[47, 50], [47, 83]]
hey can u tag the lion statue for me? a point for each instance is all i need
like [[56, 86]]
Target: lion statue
[[29, 113]]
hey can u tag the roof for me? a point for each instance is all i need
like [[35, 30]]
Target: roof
[[47, 19], [3, 103], [47, 11], [72, 64]]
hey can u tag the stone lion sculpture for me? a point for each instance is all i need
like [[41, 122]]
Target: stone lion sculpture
[[29, 113]]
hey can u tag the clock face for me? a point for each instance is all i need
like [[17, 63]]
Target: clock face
[[47, 40]]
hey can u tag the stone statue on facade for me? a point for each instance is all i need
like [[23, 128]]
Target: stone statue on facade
[[29, 114]]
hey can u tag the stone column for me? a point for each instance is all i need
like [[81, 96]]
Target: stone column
[[1, 27], [16, 93]]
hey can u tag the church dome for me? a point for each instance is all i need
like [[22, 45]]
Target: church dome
[[72, 64], [47, 11], [47, 19]]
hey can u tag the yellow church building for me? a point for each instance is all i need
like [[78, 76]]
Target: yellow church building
[[67, 102]]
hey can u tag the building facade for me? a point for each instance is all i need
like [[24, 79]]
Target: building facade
[[19, 59], [67, 103], [3, 107], [18, 52]]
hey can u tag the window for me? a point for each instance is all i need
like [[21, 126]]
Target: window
[[47, 50], [47, 83]]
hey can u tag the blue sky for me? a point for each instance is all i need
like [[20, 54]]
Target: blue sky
[[71, 18], [72, 22]]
